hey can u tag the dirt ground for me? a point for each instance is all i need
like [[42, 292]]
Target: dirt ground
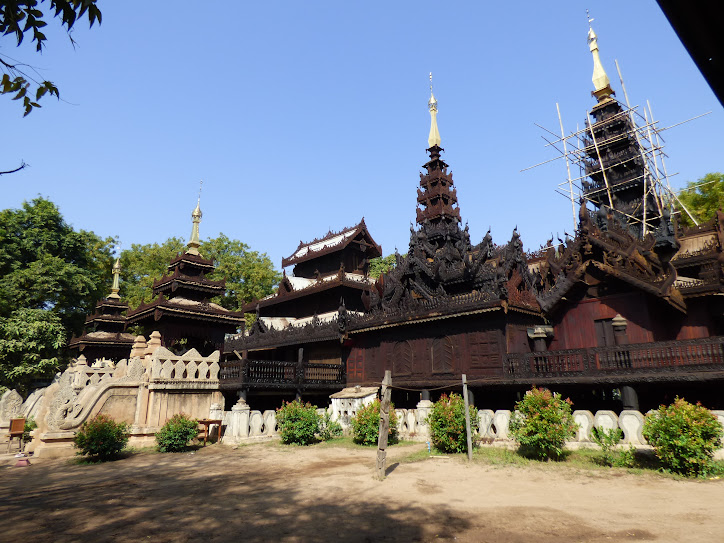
[[270, 492]]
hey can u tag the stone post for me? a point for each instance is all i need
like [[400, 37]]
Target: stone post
[[238, 429], [424, 407], [216, 412]]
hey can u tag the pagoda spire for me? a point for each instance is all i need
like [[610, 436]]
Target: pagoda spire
[[116, 281], [601, 83], [433, 139], [195, 242]]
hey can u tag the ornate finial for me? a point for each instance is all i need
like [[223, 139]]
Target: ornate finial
[[434, 137], [601, 83], [116, 281], [195, 242]]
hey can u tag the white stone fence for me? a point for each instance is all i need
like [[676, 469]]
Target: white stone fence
[[241, 424]]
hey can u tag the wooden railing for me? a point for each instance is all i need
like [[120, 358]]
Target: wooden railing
[[279, 373], [686, 355]]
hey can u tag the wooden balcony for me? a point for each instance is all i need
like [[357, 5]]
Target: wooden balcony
[[279, 374], [697, 359]]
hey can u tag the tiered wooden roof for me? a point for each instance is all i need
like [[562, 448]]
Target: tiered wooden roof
[[333, 242]]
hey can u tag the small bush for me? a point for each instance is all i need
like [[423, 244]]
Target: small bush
[[366, 425], [30, 425], [175, 435], [447, 424], [542, 423], [608, 440], [298, 422], [684, 437], [329, 428], [101, 437]]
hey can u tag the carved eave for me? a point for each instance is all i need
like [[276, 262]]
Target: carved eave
[[263, 337], [333, 242], [99, 338], [287, 292], [181, 282], [623, 257], [186, 309], [420, 311], [196, 262]]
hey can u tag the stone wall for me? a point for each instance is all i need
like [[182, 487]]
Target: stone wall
[[144, 391]]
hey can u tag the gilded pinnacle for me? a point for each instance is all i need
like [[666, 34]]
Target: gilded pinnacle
[[434, 137], [195, 242], [116, 281], [601, 83]]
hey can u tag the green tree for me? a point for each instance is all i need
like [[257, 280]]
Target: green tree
[[702, 198], [141, 265], [30, 340], [249, 274], [22, 18], [46, 264], [381, 264]]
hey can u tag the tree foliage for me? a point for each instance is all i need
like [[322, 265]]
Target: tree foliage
[[30, 342], [50, 277], [249, 274], [381, 264], [141, 265], [21, 18], [46, 264], [702, 198]]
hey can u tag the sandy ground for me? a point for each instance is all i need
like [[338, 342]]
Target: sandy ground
[[269, 492]]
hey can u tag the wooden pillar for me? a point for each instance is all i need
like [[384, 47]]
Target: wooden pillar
[[468, 431], [300, 368], [384, 425]]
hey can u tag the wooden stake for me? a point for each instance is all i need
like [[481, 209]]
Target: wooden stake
[[467, 418], [384, 425]]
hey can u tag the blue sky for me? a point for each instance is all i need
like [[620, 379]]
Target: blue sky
[[301, 117]]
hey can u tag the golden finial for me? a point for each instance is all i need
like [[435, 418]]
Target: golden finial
[[601, 83], [434, 137], [195, 242], [115, 289]]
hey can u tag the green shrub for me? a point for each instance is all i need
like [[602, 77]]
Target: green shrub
[[366, 424], [30, 425], [175, 435], [447, 424], [329, 428], [542, 423], [684, 437], [608, 440], [101, 437], [298, 422]]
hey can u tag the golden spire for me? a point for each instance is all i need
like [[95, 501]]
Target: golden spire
[[434, 137], [116, 275], [195, 242], [601, 84]]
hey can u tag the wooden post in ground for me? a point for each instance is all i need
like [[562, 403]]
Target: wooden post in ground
[[467, 418], [384, 425]]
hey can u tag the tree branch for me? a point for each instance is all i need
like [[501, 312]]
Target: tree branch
[[22, 165]]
